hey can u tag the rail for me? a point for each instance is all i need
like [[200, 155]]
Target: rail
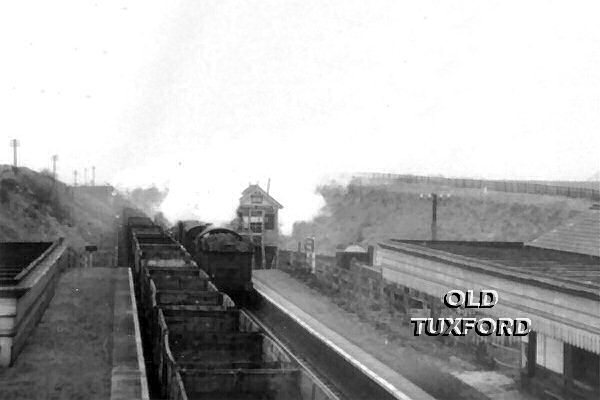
[[348, 375], [317, 381]]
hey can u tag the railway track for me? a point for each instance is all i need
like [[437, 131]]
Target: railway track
[[318, 374], [344, 379], [200, 344]]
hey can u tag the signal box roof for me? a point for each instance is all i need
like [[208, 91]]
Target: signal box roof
[[255, 189]]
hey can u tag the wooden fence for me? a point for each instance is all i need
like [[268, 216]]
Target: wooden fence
[[580, 190]]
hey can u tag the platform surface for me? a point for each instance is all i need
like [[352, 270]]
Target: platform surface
[[85, 346], [289, 293]]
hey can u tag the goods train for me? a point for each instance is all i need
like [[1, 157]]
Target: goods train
[[222, 253], [198, 343]]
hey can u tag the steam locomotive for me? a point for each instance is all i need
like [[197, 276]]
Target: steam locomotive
[[222, 253]]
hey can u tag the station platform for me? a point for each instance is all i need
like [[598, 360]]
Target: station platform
[[318, 315], [86, 345], [128, 375], [401, 364]]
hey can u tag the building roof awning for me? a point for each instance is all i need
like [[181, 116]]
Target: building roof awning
[[575, 273], [578, 235]]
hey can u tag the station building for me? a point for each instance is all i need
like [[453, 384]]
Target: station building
[[553, 280], [258, 220]]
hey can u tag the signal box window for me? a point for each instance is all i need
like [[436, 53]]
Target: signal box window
[[256, 215], [256, 198], [270, 221], [256, 227]]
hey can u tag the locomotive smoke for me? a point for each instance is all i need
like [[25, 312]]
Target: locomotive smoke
[[205, 180], [209, 189], [215, 200]]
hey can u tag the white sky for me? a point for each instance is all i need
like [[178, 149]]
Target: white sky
[[205, 96]]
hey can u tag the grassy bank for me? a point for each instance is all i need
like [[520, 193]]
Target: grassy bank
[[367, 214]]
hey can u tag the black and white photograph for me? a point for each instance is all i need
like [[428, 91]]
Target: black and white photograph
[[300, 200]]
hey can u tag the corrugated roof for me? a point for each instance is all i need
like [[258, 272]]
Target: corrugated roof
[[579, 235], [515, 260]]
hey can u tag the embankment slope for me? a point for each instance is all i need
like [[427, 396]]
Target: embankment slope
[[366, 214]]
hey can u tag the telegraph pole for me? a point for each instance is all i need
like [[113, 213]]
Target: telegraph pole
[[75, 178], [434, 198], [54, 160], [85, 181], [93, 176], [14, 143], [434, 203]]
